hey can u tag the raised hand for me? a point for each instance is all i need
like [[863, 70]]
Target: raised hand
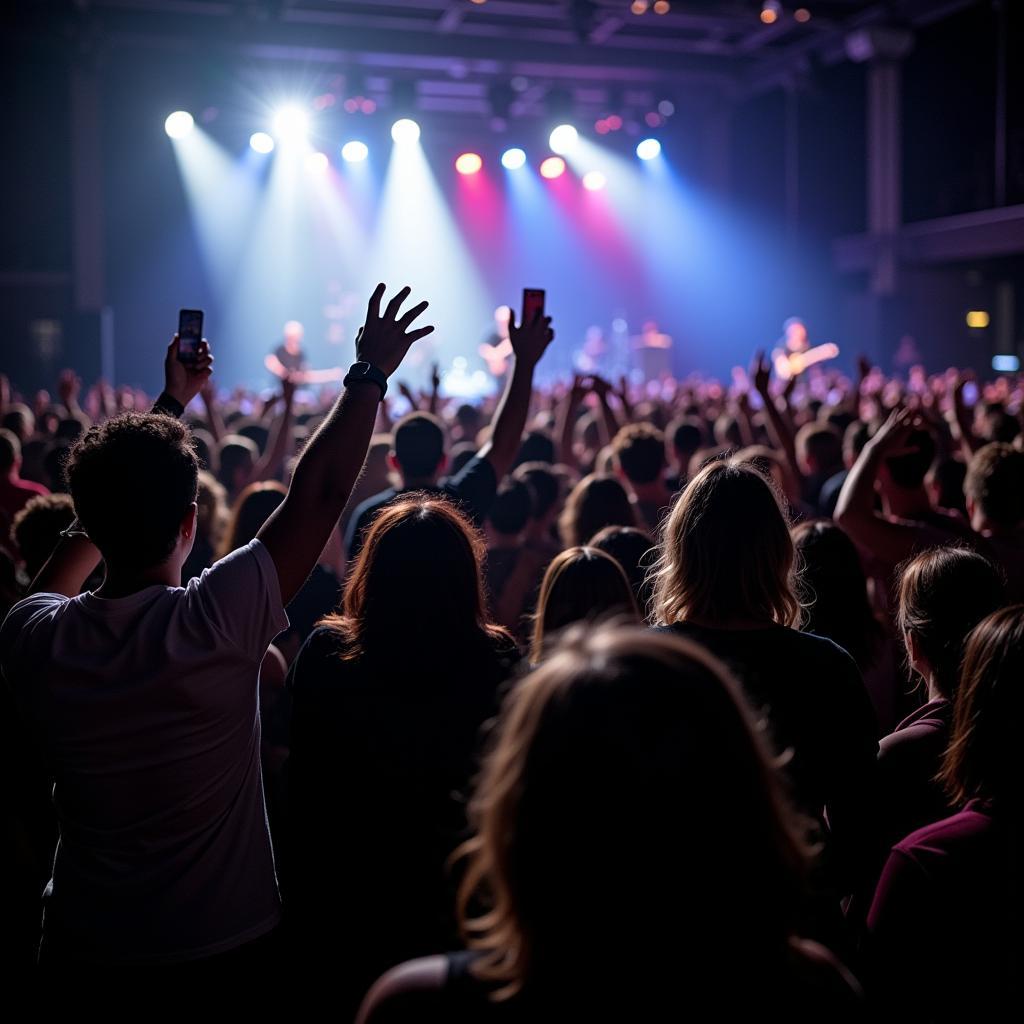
[[183, 381], [435, 376], [384, 339], [68, 387], [893, 435], [761, 373], [529, 341]]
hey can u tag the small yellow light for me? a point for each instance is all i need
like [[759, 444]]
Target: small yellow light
[[977, 318]]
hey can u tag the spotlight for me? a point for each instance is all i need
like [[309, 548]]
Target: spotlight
[[405, 129], [563, 139], [178, 124], [468, 163], [316, 162], [594, 181], [291, 124], [648, 149], [802, 15], [662, 6], [553, 167], [354, 152], [261, 142], [513, 159], [770, 11]]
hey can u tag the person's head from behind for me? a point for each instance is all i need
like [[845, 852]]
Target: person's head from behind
[[10, 453], [393, 604], [509, 512], [37, 528], [768, 463], [18, 419], [236, 456], [133, 481], [726, 557], [855, 437], [597, 501], [640, 454], [537, 446], [819, 449], [635, 552], [835, 589], [579, 842], [983, 759], [994, 487], [944, 483], [545, 491], [581, 584], [418, 449], [252, 508], [213, 509], [686, 437], [942, 595], [905, 471]]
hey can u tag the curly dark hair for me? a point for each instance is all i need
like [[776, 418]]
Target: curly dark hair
[[132, 480]]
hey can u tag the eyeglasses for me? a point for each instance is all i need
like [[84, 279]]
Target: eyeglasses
[[74, 530]]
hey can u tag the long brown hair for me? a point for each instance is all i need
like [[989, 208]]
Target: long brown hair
[[417, 585], [580, 584], [580, 843], [725, 552], [597, 501], [251, 509], [983, 758]]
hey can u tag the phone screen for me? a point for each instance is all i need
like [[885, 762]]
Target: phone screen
[[533, 305], [190, 333]]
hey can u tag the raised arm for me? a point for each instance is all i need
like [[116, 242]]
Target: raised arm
[[75, 557], [602, 388], [269, 465], [295, 534], [969, 444], [855, 510], [528, 344], [778, 428], [566, 421]]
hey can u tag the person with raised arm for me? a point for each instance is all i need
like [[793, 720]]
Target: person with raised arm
[[144, 693], [419, 458]]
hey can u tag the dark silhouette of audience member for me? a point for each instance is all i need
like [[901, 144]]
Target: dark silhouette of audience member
[[837, 605], [419, 456], [15, 493], [580, 585], [639, 450], [725, 580], [636, 554], [943, 594], [994, 489], [684, 437], [144, 693], [631, 854], [389, 697], [37, 528], [944, 928], [597, 501]]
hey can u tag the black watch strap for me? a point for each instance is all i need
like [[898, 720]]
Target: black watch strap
[[367, 373], [166, 404]]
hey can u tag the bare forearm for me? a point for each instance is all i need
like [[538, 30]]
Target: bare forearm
[[509, 420], [66, 570], [856, 502], [566, 424]]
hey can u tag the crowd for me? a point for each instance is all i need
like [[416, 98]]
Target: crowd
[[604, 701]]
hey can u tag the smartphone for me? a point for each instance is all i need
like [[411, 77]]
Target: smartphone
[[190, 333], [533, 305], [970, 393]]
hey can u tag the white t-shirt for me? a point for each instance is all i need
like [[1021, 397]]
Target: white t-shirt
[[148, 708]]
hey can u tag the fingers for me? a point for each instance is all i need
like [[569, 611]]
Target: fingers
[[411, 315], [391, 313], [373, 306], [420, 332], [511, 318], [172, 349]]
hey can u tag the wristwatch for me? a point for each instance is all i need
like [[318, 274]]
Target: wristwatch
[[359, 372]]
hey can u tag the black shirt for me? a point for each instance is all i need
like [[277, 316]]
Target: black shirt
[[383, 750], [812, 695], [288, 360], [472, 488]]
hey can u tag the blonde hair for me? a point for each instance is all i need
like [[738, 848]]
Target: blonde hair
[[725, 552]]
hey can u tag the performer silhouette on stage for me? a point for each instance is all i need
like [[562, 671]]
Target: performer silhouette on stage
[[288, 360]]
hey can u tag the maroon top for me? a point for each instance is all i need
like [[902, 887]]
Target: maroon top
[[944, 935]]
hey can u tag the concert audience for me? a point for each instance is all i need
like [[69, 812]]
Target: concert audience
[[158, 713]]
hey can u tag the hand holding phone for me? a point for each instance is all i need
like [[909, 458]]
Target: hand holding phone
[[190, 334]]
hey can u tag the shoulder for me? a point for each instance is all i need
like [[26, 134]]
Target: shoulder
[[957, 833], [28, 628], [408, 992], [375, 501], [477, 470]]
